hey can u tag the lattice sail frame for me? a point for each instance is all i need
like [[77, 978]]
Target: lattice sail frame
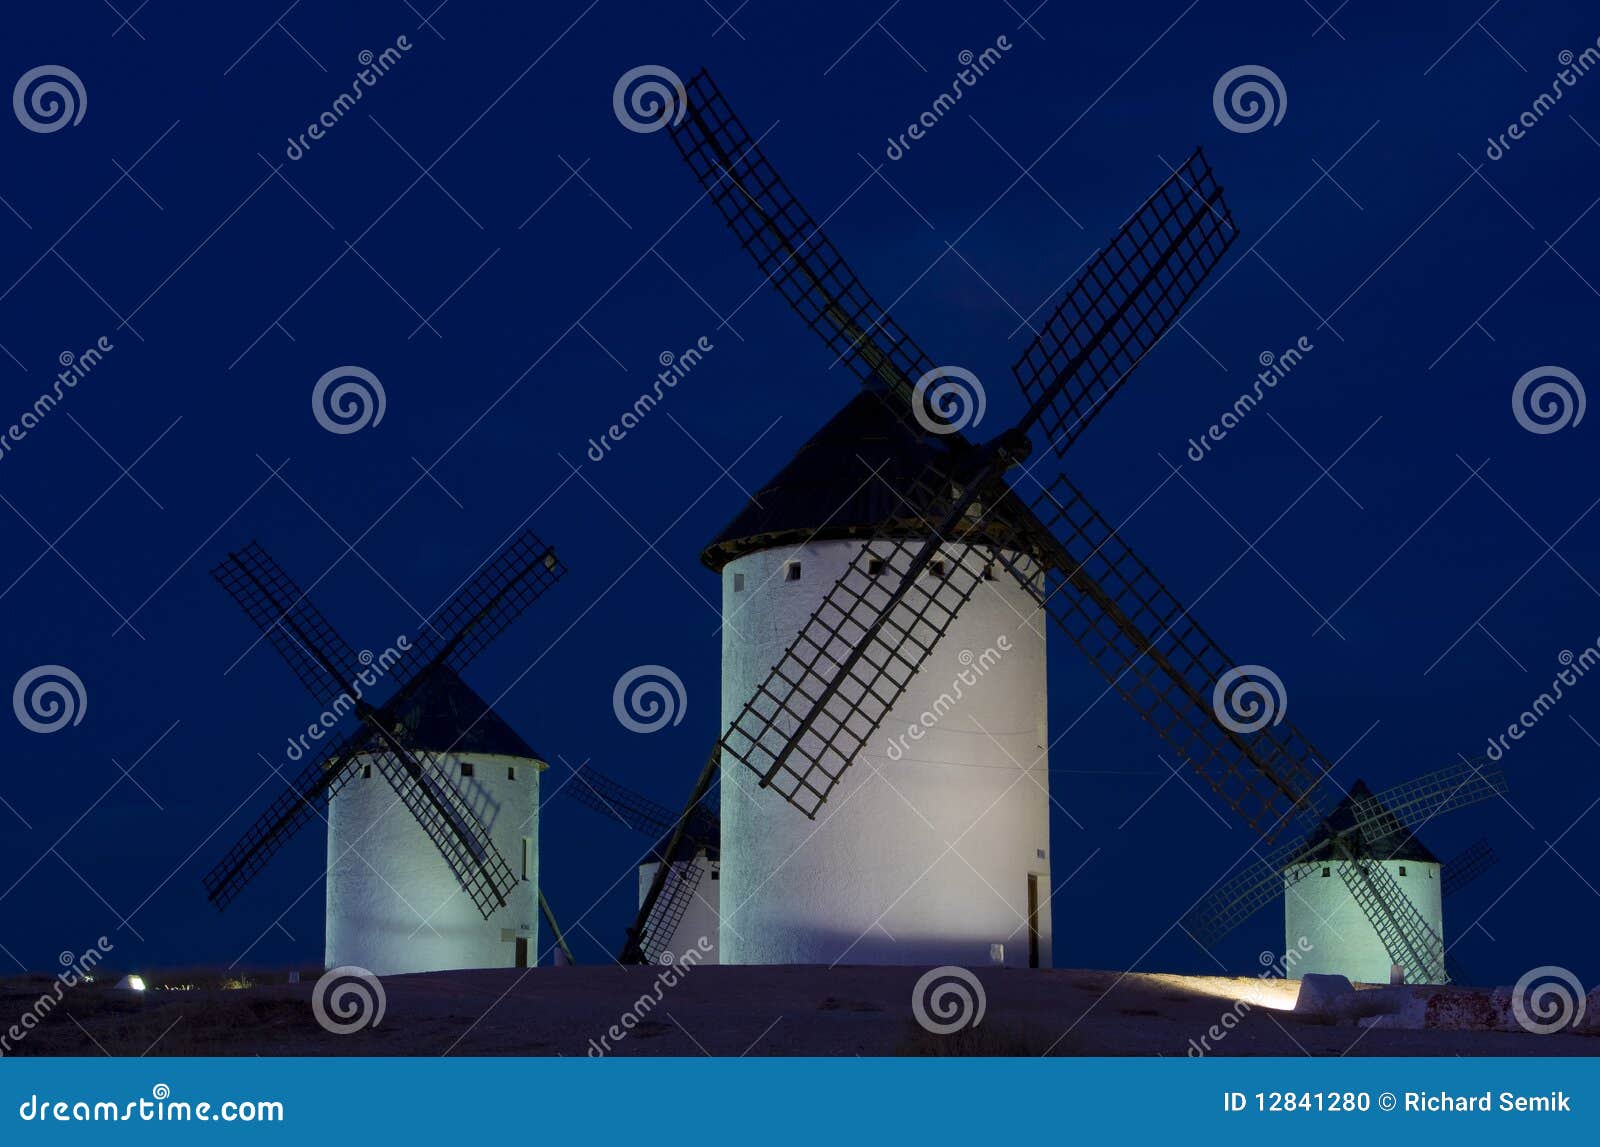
[[327, 667], [830, 690], [671, 906], [1159, 659], [299, 803], [796, 257], [421, 781], [1125, 301], [1408, 938], [1467, 866], [611, 798], [486, 606], [321, 660]]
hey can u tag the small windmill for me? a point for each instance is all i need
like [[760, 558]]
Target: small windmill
[[1368, 841], [428, 742], [684, 852], [804, 726]]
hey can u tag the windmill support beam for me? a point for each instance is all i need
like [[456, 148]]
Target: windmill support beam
[[555, 929]]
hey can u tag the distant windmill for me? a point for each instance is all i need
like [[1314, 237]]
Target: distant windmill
[[684, 909], [469, 785], [1367, 841], [919, 555]]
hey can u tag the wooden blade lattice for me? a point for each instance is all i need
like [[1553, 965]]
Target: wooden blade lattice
[[1157, 657], [1466, 866], [794, 254], [1125, 302], [301, 802], [836, 682], [320, 659], [668, 911], [499, 593]]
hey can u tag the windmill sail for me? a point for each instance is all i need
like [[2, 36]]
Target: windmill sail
[[320, 659], [792, 251], [297, 805], [1125, 301], [329, 669], [1467, 865]]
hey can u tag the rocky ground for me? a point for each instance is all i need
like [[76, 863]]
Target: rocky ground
[[730, 1011]]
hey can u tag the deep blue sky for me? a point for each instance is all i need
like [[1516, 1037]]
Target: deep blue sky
[[581, 282]]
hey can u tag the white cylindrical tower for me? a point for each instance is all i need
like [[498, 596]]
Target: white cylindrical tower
[[394, 905], [1325, 928], [934, 846]]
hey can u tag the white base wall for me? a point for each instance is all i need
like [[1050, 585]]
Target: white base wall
[[395, 906], [1341, 939], [923, 853], [701, 921]]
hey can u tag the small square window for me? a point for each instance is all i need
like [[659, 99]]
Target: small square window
[[1402, 870], [738, 583], [715, 875], [1327, 872], [466, 768], [511, 772], [366, 771], [791, 571], [875, 567]]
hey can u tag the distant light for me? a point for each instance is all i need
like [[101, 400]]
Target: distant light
[[136, 983]]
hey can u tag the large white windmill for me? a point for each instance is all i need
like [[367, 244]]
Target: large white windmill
[[891, 544], [936, 850]]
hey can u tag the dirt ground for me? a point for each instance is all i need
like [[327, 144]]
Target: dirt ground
[[731, 1011]]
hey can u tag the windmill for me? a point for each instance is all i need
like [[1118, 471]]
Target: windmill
[[945, 531], [1328, 910], [684, 909], [432, 889]]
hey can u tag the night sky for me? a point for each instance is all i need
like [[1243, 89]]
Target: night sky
[[483, 235]]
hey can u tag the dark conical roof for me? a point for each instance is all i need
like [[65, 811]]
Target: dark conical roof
[[443, 713], [1391, 841], [826, 490], [843, 483]]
